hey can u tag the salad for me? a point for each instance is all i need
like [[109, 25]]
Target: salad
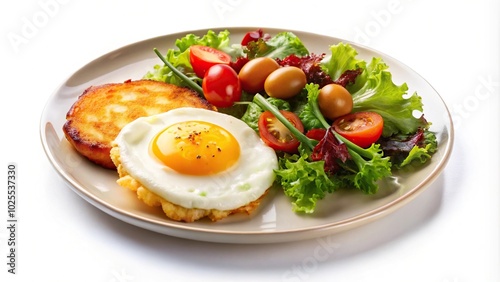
[[335, 121]]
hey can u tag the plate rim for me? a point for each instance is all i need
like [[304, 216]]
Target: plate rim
[[172, 228]]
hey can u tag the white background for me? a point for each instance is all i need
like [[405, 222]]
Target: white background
[[450, 233]]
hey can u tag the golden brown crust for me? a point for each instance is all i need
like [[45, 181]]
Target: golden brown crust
[[171, 210], [99, 114]]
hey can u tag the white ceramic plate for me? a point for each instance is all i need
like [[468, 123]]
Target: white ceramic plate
[[274, 221]]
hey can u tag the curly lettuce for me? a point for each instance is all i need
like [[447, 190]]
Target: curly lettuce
[[305, 182], [343, 57]]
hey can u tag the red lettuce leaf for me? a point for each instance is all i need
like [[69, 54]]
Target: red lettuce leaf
[[330, 150]]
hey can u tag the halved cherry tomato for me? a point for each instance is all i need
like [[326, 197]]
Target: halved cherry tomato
[[276, 135], [203, 57], [316, 133], [221, 86], [361, 128]]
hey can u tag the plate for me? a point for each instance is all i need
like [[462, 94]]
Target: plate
[[274, 221]]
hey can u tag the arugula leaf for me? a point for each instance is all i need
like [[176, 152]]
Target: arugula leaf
[[279, 46]]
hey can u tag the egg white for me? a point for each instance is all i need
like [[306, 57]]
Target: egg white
[[239, 185]]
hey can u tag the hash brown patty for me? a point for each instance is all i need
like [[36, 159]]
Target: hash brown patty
[[99, 114]]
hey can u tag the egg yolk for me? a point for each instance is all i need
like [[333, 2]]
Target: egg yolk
[[196, 148]]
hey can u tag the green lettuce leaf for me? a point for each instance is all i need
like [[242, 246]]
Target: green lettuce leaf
[[343, 57], [421, 154], [369, 172], [253, 111], [179, 60], [279, 46], [307, 114], [379, 94]]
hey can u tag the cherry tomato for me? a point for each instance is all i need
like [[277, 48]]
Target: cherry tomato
[[316, 133], [203, 57], [254, 36], [361, 128], [254, 73], [276, 135], [285, 82], [221, 86], [334, 101]]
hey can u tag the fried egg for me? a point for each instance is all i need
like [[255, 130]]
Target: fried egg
[[197, 158]]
